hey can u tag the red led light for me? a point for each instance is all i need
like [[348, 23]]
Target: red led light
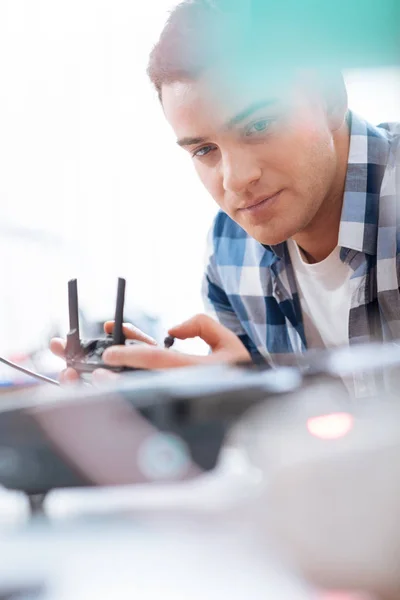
[[330, 427]]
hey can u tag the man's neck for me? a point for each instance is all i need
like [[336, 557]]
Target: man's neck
[[320, 237]]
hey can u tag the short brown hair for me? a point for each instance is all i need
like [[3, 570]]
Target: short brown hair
[[200, 32], [196, 33]]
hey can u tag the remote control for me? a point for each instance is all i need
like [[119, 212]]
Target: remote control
[[86, 356]]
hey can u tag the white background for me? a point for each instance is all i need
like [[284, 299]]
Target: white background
[[91, 182]]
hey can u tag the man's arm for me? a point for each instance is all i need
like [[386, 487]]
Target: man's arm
[[217, 304]]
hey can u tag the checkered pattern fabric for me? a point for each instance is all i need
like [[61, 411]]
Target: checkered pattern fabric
[[251, 288]]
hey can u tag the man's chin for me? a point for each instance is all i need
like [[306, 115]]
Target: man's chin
[[266, 237]]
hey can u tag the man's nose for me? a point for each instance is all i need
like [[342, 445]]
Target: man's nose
[[239, 172]]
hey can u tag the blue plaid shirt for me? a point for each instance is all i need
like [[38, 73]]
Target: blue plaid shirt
[[252, 288]]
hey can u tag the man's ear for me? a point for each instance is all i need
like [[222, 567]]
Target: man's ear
[[327, 85], [335, 96]]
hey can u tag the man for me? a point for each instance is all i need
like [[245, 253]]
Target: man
[[304, 252]]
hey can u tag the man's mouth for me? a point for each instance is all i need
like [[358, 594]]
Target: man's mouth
[[260, 202]]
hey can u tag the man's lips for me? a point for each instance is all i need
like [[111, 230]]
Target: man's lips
[[259, 202]]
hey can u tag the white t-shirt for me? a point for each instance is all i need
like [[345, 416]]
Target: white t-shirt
[[325, 295]]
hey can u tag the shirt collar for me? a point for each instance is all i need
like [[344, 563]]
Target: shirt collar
[[368, 155]]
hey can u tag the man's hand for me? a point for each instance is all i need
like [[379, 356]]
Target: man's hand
[[225, 347], [57, 346]]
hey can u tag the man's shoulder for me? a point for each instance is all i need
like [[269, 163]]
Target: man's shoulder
[[391, 128], [382, 139], [391, 132], [381, 153]]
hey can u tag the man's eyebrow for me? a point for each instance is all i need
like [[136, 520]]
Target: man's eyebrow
[[244, 114], [191, 141], [247, 112]]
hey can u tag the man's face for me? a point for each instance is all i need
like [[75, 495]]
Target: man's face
[[268, 160]]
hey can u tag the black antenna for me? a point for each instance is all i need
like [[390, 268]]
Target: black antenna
[[73, 341], [118, 332], [73, 305]]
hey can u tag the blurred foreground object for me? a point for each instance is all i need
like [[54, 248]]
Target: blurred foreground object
[[306, 470], [332, 485]]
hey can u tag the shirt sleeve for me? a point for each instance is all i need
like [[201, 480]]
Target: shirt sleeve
[[217, 304]]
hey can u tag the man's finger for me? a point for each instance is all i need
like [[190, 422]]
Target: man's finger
[[100, 376], [69, 376], [131, 333], [57, 346], [148, 357], [206, 328]]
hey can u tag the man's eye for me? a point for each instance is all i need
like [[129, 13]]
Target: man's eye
[[203, 151], [258, 127]]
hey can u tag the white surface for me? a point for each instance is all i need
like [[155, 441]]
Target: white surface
[[174, 543], [172, 561], [14, 509]]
